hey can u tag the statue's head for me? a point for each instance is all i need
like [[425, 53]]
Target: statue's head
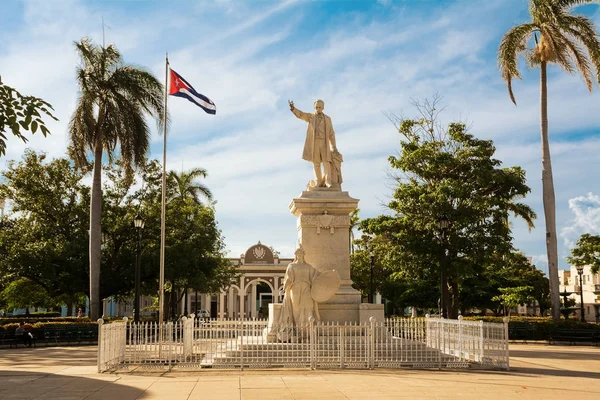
[[299, 253], [319, 106]]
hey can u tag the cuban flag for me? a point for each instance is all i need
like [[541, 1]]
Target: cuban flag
[[179, 87]]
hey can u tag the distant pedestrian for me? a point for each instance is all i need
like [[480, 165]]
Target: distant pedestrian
[[21, 333], [79, 313]]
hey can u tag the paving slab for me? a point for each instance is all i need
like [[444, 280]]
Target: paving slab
[[537, 372]]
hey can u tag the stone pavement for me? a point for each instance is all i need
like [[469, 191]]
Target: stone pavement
[[537, 372]]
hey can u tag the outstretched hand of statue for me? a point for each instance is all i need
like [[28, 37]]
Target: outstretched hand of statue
[[291, 103]]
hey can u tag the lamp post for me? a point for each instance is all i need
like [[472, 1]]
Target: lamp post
[[372, 256], [138, 222], [443, 224], [580, 272]]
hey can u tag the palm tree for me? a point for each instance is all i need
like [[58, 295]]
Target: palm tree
[[571, 42], [111, 110], [186, 187]]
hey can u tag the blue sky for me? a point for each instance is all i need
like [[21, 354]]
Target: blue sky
[[362, 57]]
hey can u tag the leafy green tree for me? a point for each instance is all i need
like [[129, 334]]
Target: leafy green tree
[[509, 270], [18, 112], [186, 185], [402, 288], [44, 239], [111, 109], [24, 293], [194, 252], [572, 43], [511, 297], [448, 172], [586, 252]]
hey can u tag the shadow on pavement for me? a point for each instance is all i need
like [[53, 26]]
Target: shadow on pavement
[[35, 356], [16, 384], [59, 373], [575, 355]]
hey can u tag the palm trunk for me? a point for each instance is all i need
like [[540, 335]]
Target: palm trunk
[[549, 199], [95, 233]]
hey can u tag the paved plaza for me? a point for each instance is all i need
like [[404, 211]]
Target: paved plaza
[[537, 372]]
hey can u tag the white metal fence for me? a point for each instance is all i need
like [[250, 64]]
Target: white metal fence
[[238, 344]]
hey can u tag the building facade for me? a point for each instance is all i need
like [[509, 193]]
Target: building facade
[[260, 282], [569, 283]]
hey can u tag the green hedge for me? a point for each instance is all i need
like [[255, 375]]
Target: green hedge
[[536, 328], [35, 319], [41, 325]]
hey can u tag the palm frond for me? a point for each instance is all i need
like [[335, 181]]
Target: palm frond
[[582, 30], [569, 4], [513, 43]]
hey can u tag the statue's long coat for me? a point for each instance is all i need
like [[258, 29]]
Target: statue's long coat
[[309, 143]]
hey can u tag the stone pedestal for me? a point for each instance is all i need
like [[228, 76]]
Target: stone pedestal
[[324, 230]]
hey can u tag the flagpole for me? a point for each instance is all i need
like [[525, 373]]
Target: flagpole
[[161, 301]]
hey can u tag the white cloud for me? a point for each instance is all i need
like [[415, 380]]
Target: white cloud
[[586, 219]]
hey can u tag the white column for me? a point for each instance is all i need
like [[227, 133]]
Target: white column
[[242, 298], [230, 304], [252, 301], [207, 300], [222, 305]]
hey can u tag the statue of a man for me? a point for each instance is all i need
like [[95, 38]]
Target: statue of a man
[[319, 146], [298, 304]]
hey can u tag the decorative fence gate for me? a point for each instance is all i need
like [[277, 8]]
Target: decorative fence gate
[[237, 344]]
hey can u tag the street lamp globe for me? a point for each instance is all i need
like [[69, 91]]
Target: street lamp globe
[[579, 269], [138, 222]]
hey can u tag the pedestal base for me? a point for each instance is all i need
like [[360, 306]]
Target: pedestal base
[[352, 313], [336, 313]]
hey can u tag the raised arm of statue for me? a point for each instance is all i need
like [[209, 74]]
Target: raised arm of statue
[[302, 115]]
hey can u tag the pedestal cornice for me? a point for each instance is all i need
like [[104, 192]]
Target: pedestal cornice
[[318, 201]]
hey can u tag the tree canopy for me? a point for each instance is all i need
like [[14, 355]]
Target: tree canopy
[[445, 171], [43, 240], [21, 113], [586, 252]]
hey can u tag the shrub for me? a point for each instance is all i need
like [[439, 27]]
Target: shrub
[[35, 319]]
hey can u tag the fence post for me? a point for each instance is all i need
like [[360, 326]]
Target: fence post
[[123, 341], [100, 347], [342, 341], [505, 342], [311, 338], [241, 333], [481, 353], [460, 331], [372, 343], [440, 346]]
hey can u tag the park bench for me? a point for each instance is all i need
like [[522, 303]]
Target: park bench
[[85, 333], [55, 334], [520, 331], [575, 335], [8, 338]]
